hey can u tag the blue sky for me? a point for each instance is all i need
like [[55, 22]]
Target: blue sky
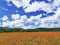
[[30, 13]]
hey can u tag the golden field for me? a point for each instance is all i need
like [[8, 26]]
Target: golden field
[[30, 38]]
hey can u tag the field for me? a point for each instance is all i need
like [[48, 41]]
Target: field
[[30, 38]]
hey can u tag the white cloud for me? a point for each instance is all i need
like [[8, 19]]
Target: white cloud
[[0, 23], [4, 8], [49, 21], [34, 19], [6, 24], [37, 21], [20, 22], [4, 18], [28, 27], [19, 3], [48, 7], [16, 22], [26, 1], [24, 18], [15, 16], [35, 6], [56, 3], [32, 8]]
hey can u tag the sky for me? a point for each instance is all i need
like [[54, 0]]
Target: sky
[[29, 14]]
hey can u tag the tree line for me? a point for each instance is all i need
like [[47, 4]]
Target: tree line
[[6, 29]]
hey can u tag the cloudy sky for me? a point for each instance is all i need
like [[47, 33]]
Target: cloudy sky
[[30, 13]]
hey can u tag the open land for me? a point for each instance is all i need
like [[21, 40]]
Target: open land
[[30, 38]]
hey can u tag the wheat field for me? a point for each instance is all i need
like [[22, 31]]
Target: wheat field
[[30, 38]]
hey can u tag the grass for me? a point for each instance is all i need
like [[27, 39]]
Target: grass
[[30, 38]]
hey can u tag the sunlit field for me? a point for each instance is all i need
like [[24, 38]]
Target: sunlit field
[[30, 38]]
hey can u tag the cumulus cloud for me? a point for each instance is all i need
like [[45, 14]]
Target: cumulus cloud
[[51, 21], [33, 7], [36, 6], [19, 3], [48, 7], [34, 21], [24, 18], [56, 3], [4, 18], [21, 21], [5, 24], [15, 16], [16, 21], [4, 8]]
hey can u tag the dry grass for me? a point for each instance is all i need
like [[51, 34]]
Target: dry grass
[[30, 38]]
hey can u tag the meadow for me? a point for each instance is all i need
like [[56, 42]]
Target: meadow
[[30, 38]]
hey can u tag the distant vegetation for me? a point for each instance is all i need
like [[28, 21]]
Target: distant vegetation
[[6, 29]]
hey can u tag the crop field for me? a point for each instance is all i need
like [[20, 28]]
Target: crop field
[[30, 38]]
